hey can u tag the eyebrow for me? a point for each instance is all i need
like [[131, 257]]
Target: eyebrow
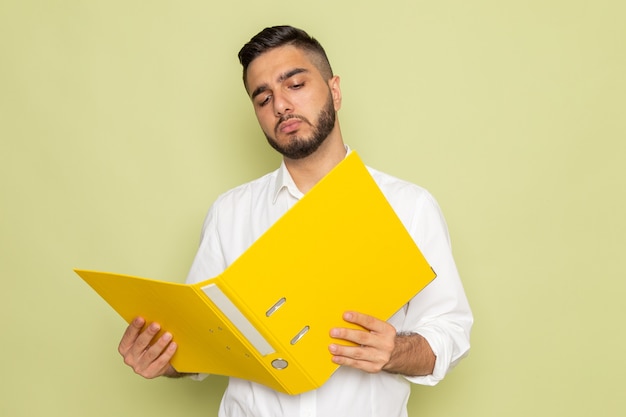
[[282, 77]]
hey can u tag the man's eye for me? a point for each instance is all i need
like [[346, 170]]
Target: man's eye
[[297, 86], [265, 101]]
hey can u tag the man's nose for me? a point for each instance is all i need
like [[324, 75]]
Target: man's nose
[[282, 105]]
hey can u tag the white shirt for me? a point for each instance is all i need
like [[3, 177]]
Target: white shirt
[[440, 312]]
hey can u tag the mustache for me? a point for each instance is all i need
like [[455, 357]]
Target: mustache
[[289, 117]]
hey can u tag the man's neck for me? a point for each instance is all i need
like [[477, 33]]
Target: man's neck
[[306, 172]]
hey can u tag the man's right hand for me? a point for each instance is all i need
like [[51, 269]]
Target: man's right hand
[[148, 358]]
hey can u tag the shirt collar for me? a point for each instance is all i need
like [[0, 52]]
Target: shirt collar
[[284, 181]]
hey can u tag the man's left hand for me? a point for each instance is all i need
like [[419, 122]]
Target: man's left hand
[[375, 343]]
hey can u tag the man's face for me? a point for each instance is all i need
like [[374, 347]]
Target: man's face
[[293, 103]]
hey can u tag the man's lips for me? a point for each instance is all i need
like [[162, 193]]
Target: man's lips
[[289, 126]]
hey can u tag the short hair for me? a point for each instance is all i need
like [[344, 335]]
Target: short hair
[[277, 36]]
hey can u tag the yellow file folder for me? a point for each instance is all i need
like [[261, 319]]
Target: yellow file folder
[[267, 317]]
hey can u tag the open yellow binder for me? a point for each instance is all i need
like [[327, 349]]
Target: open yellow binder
[[267, 317]]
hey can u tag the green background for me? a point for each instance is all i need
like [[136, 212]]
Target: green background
[[121, 121]]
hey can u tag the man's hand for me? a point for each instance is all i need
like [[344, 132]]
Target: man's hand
[[148, 358], [375, 343], [380, 348]]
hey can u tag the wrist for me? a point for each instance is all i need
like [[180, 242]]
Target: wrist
[[411, 356], [170, 372]]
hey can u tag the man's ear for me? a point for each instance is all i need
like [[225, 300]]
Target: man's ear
[[335, 90]]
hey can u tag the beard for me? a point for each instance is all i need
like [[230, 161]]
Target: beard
[[300, 147]]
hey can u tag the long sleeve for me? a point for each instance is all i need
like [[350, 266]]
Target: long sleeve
[[441, 311]]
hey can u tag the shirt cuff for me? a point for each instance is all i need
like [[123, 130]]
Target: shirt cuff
[[443, 359], [198, 377]]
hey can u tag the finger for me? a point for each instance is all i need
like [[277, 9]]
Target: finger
[[364, 358], [357, 353], [155, 361], [356, 336], [382, 334], [368, 347], [161, 363], [130, 335], [134, 353], [366, 321], [152, 352], [144, 340]]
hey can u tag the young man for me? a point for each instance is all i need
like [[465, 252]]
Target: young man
[[296, 98]]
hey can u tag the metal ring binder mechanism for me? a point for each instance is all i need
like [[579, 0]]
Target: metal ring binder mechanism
[[272, 329]]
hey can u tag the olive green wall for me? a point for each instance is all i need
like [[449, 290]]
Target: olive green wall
[[121, 121]]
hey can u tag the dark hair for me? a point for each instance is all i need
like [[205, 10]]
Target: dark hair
[[277, 36]]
